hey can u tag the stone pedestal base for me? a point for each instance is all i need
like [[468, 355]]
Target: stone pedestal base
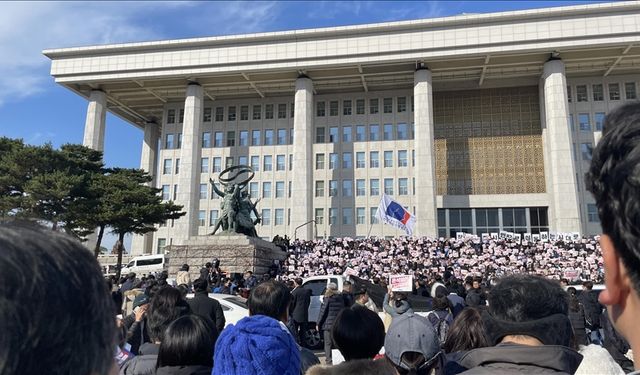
[[237, 254]]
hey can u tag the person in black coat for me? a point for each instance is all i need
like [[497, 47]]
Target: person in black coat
[[332, 304], [592, 311], [577, 318], [300, 301], [206, 307]]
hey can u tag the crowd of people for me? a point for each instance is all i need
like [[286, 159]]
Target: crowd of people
[[493, 308]]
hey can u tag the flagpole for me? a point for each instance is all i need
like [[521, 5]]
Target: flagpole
[[370, 226]]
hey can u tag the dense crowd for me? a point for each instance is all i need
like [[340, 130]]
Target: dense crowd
[[58, 316], [426, 258]]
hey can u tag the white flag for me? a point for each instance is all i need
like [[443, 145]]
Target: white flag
[[392, 213]]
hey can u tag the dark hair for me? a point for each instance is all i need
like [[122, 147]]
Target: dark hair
[[466, 332], [441, 303], [270, 298], [56, 315], [188, 341], [614, 181], [588, 285], [522, 298], [165, 307], [298, 281], [185, 267], [200, 285], [358, 333]]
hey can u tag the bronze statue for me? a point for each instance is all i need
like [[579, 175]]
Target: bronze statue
[[236, 206]]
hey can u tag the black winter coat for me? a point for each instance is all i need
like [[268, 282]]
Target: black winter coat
[[592, 308], [578, 324], [329, 311], [300, 301], [208, 308]]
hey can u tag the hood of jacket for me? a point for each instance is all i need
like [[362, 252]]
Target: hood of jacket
[[403, 308], [555, 358]]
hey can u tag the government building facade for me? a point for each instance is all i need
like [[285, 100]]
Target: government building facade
[[475, 123]]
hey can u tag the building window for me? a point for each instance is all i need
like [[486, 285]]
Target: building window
[[592, 212], [292, 110], [388, 186], [213, 218], [255, 138], [630, 91], [598, 92], [228, 161], [614, 91], [268, 137], [333, 108], [231, 138], [266, 189], [165, 192], [333, 134], [387, 105], [268, 111], [586, 149], [374, 161], [581, 93], [282, 136], [204, 165], [217, 139], [388, 159], [333, 160], [202, 218], [403, 186], [244, 113], [374, 106], [372, 215], [403, 160], [333, 216], [569, 99], [181, 116], [361, 133], [267, 163], [219, 114], [162, 242], [266, 216], [320, 109], [280, 163], [255, 163], [598, 118], [402, 104], [279, 189], [217, 164], [279, 216], [346, 108], [374, 132], [206, 140], [486, 220], [203, 191], [289, 190], [571, 124], [319, 188], [290, 136], [175, 192], [333, 188], [319, 216], [168, 144], [320, 134], [583, 119], [402, 131], [167, 166], [360, 107], [206, 115], [177, 166], [374, 187], [171, 116], [346, 134], [347, 161], [232, 113], [387, 132], [360, 188], [242, 160], [253, 190], [360, 162], [243, 140], [256, 112], [460, 220], [282, 110], [179, 141], [347, 216], [320, 161], [347, 188]]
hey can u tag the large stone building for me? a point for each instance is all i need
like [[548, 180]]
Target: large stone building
[[476, 123]]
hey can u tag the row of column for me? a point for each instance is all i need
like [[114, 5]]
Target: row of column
[[564, 213]]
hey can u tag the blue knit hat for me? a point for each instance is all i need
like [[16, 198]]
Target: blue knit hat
[[256, 345]]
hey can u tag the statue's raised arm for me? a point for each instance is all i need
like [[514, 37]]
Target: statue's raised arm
[[215, 188]]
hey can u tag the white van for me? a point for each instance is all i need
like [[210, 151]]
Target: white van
[[146, 264]]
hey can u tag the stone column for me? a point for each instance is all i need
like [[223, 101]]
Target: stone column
[[424, 170], [302, 180], [189, 177], [95, 122], [143, 244], [557, 143]]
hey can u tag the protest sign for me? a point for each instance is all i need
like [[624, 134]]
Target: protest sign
[[401, 283]]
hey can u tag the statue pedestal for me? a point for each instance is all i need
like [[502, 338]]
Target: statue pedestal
[[237, 254]]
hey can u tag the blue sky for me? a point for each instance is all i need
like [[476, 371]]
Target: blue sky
[[34, 108]]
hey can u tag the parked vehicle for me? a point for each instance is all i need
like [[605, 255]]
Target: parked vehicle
[[318, 285], [146, 264]]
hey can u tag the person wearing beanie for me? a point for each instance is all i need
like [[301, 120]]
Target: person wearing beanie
[[256, 345], [527, 321]]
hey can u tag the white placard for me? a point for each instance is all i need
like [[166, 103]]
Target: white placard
[[527, 236], [401, 283], [459, 236], [544, 236]]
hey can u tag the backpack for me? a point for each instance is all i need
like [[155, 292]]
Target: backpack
[[440, 324]]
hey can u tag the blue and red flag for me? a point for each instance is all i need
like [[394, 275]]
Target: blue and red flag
[[392, 213]]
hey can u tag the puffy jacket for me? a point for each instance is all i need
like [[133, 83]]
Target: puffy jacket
[[511, 358], [208, 308], [329, 310], [394, 310], [143, 364], [183, 277], [578, 324]]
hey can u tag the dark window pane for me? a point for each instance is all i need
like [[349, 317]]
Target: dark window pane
[[507, 217], [481, 218], [520, 217], [544, 221], [442, 218], [454, 218], [465, 218], [492, 217], [533, 215]]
